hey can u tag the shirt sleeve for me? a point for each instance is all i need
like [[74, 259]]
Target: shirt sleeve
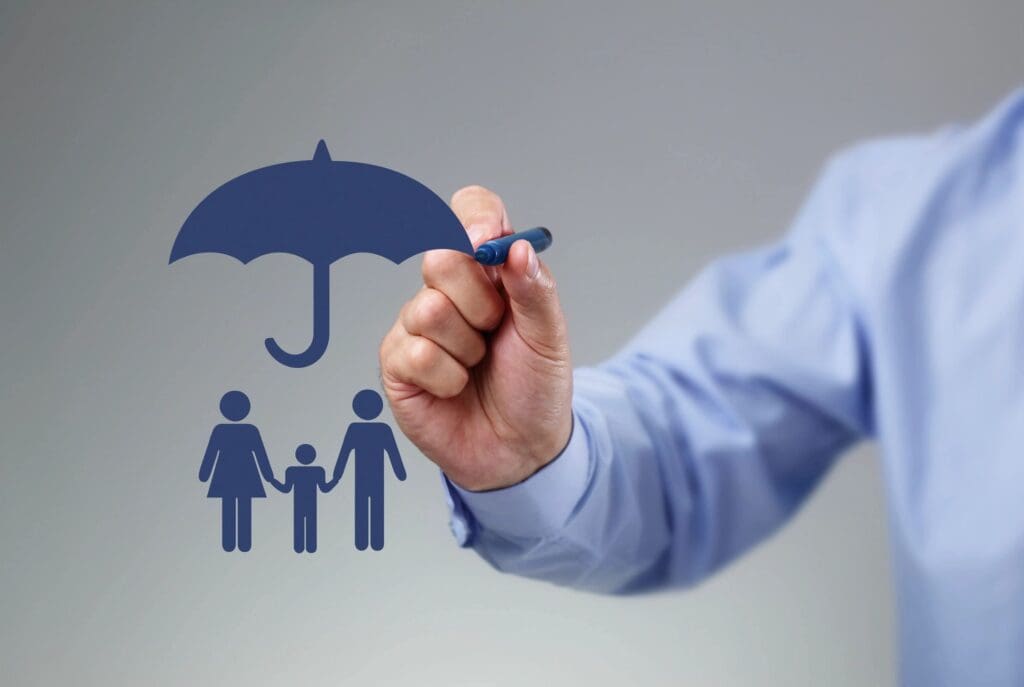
[[707, 431]]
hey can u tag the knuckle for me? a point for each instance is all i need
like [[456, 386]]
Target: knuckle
[[383, 351], [454, 383], [432, 310], [422, 355], [405, 317], [438, 266], [387, 346]]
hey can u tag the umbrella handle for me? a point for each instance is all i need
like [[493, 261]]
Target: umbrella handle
[[321, 324]]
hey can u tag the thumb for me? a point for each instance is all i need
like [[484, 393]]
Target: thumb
[[533, 299]]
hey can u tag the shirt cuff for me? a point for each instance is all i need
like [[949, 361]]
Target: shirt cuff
[[534, 508]]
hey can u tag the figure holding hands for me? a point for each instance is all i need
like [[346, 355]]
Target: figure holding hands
[[305, 480], [370, 441], [235, 464]]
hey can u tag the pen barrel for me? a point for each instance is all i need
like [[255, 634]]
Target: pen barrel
[[496, 252]]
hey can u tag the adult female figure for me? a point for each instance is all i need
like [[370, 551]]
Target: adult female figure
[[236, 458]]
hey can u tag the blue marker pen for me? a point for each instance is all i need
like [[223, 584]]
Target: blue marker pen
[[495, 252]]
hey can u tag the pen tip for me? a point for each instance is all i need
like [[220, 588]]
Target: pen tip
[[485, 255]]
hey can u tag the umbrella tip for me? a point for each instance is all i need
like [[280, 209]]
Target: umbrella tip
[[321, 154]]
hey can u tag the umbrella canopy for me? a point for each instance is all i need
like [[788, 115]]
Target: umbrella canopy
[[320, 210]]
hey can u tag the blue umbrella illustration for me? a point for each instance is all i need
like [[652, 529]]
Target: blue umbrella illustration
[[320, 210]]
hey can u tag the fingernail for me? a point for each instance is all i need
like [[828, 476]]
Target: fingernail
[[532, 264]]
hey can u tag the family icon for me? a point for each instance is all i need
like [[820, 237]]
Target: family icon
[[236, 465]]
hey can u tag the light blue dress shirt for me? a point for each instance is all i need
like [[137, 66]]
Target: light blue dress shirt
[[893, 309]]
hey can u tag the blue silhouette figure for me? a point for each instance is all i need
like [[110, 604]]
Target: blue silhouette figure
[[236, 458], [320, 210], [370, 441], [304, 480]]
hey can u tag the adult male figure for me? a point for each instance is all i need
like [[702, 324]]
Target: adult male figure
[[370, 441]]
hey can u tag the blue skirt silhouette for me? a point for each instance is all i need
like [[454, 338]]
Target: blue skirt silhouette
[[236, 473], [235, 463]]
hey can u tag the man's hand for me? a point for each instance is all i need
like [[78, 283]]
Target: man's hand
[[476, 368]]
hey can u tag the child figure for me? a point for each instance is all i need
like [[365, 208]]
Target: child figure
[[305, 479]]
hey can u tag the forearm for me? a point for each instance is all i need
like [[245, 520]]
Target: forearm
[[339, 465], [339, 469], [263, 463], [206, 467], [396, 461]]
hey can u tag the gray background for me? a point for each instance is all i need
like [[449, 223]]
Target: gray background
[[650, 138]]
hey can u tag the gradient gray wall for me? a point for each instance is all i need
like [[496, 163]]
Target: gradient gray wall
[[649, 139]]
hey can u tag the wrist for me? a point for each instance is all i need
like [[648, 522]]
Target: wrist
[[534, 508], [549, 449], [521, 468]]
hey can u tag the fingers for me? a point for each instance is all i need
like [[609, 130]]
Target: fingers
[[421, 363], [464, 281], [437, 337], [467, 286], [533, 298], [433, 316]]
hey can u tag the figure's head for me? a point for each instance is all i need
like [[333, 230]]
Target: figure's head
[[305, 454], [367, 404], [234, 405]]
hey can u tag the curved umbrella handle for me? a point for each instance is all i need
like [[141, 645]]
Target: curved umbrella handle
[[321, 324]]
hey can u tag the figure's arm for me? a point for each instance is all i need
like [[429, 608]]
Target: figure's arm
[[326, 485], [396, 460], [346, 447], [283, 487], [209, 458], [707, 431], [262, 460]]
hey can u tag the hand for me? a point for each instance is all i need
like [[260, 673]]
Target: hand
[[477, 368], [280, 486]]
